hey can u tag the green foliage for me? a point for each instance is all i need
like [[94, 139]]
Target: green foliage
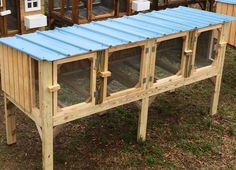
[[150, 160]]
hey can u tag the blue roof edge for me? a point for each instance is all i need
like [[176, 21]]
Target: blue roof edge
[[101, 35]]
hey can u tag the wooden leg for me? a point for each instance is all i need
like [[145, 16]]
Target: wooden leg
[[47, 147], [10, 121], [216, 94], [142, 124], [46, 109]]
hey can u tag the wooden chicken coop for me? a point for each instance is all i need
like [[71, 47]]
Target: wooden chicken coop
[[65, 74], [82, 11], [17, 16], [228, 7], [162, 4]]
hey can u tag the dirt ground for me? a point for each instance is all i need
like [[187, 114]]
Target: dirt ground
[[180, 135]]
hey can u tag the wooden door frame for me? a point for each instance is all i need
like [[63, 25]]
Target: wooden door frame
[[3, 20]]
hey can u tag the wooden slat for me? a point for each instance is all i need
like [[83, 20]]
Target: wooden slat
[[2, 68], [26, 82], [16, 76], [233, 33], [230, 12], [218, 7], [6, 66], [21, 79], [224, 8], [10, 75]]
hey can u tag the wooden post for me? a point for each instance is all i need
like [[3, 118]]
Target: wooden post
[[142, 123], [220, 63], [189, 51], [147, 74], [46, 109], [102, 67], [10, 121]]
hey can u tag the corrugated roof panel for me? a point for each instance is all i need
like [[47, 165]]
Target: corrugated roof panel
[[194, 18], [225, 18], [227, 1], [160, 23], [146, 25], [76, 41], [79, 39]]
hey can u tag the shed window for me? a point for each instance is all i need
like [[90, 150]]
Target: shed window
[[32, 5]]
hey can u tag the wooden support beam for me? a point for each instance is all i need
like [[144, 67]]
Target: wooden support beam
[[10, 121], [46, 110], [101, 84], [189, 51], [142, 123], [224, 35], [75, 11]]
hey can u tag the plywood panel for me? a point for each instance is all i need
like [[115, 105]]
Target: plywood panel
[[16, 76]]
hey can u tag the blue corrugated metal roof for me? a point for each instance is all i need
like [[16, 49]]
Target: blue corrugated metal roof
[[79, 39], [227, 1]]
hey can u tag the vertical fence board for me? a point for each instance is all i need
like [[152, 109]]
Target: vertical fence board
[[15, 75], [10, 75], [230, 12], [26, 81], [21, 79], [6, 76], [2, 67]]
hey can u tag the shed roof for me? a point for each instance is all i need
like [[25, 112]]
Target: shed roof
[[79, 39], [227, 1]]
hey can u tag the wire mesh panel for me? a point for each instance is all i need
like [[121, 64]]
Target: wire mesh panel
[[83, 9], [57, 5], [125, 69], [68, 9], [74, 79], [168, 58], [101, 7], [206, 48]]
